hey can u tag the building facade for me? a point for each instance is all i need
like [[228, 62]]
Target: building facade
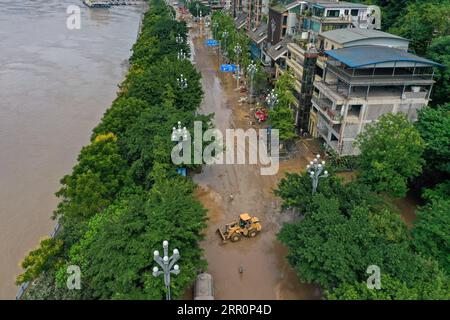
[[362, 83]]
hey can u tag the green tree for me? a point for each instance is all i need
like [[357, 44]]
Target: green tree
[[39, 260], [433, 125], [430, 232], [393, 289], [281, 115], [391, 154], [117, 252], [439, 51], [422, 22], [330, 248]]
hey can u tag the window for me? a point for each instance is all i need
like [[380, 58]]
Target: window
[[332, 47], [285, 19], [333, 13], [354, 110], [354, 12], [318, 12], [346, 12]]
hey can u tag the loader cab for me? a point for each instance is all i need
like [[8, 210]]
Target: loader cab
[[245, 220]]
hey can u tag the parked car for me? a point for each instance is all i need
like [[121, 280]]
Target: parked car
[[203, 288]]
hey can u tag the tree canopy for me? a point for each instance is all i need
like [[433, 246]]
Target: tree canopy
[[391, 154]]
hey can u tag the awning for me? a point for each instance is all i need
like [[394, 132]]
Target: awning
[[259, 34], [278, 50], [240, 20]]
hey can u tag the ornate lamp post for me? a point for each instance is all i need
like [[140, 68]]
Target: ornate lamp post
[[314, 169], [251, 70], [179, 39], [181, 55], [237, 51], [182, 82], [166, 265], [224, 37], [215, 26], [179, 134], [272, 99]]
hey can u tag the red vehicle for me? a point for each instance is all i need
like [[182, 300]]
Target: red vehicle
[[261, 114]]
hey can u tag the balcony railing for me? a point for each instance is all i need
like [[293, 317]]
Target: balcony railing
[[358, 77], [326, 108]]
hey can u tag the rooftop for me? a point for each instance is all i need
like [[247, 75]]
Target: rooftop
[[361, 56], [354, 34], [258, 34], [340, 4], [278, 50]]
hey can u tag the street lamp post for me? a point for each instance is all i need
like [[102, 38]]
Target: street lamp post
[[197, 5], [180, 133], [181, 55], [272, 99], [182, 82], [166, 265], [224, 37], [251, 69], [215, 26], [314, 169], [237, 52], [179, 39]]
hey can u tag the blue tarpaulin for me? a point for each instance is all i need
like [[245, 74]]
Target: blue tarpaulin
[[182, 171], [228, 68], [211, 42]]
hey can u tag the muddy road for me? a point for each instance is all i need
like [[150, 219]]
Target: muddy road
[[266, 275]]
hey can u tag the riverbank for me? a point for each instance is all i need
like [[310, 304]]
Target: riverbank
[[124, 196]]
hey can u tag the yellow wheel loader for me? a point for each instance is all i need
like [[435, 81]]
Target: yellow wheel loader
[[247, 226]]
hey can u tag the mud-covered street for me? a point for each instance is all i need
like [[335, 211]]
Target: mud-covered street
[[266, 273]]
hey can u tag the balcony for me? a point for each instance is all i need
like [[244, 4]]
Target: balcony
[[371, 76], [325, 107]]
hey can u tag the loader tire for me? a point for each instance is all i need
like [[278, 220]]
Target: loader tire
[[253, 233], [235, 237]]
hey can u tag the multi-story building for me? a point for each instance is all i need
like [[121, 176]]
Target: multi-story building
[[282, 22], [322, 15], [350, 37], [360, 84]]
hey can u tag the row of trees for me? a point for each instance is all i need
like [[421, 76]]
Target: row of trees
[[345, 228], [124, 196]]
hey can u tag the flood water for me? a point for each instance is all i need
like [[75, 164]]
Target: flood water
[[266, 273], [55, 84]]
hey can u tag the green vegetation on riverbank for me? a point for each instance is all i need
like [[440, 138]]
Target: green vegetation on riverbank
[[124, 197], [345, 228]]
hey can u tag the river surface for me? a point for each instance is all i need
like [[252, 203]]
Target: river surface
[[55, 84]]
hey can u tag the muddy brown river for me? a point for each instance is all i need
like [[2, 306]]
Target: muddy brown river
[[55, 84], [266, 275]]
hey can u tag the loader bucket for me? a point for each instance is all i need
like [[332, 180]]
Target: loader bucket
[[222, 235]]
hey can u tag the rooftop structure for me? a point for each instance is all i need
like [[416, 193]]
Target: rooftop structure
[[341, 38]]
